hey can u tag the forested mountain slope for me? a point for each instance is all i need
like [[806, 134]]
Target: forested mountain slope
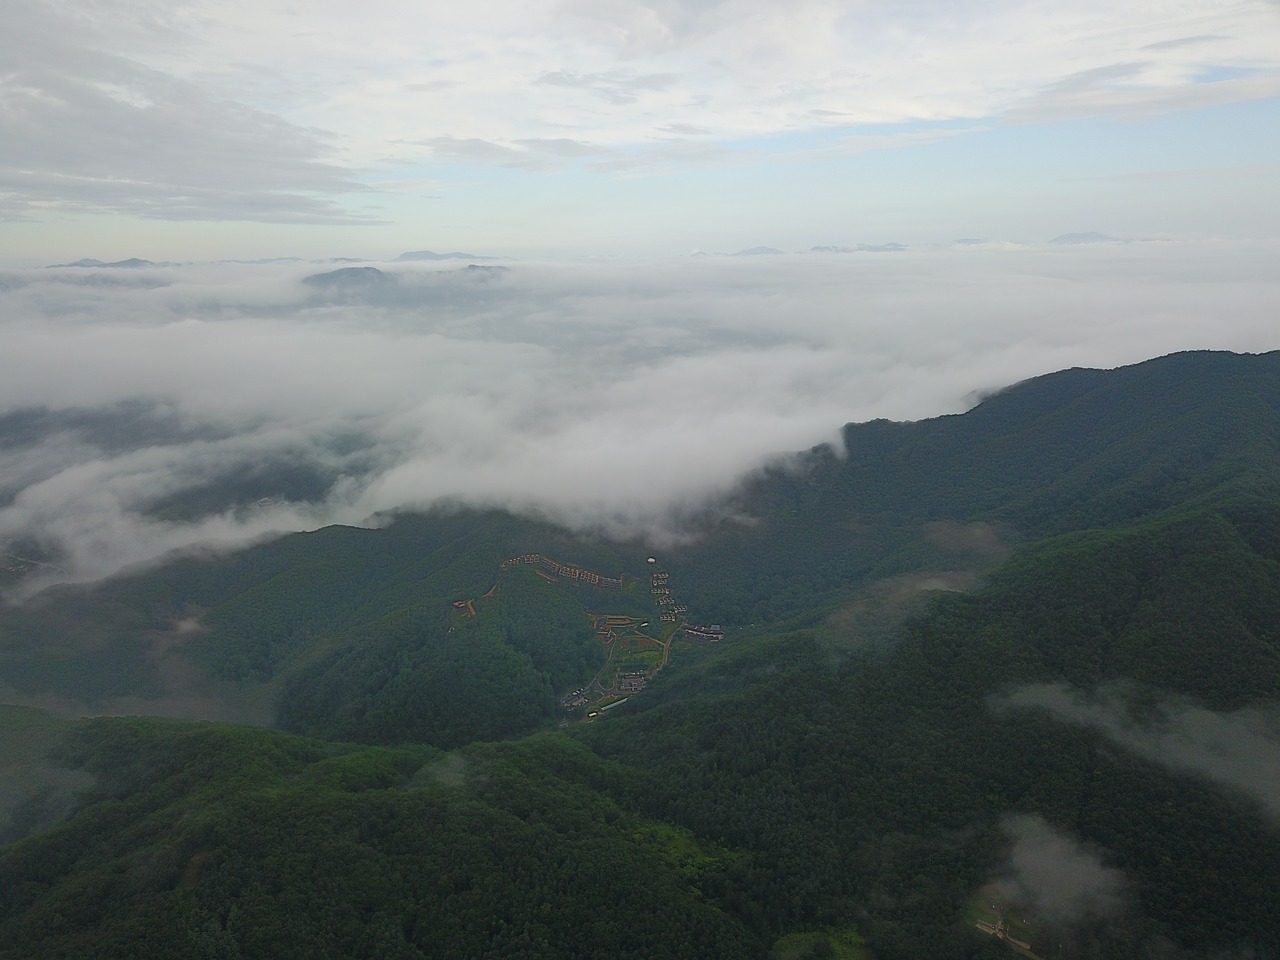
[[1071, 450], [237, 637], [213, 841], [1087, 737], [1080, 448], [1118, 687]]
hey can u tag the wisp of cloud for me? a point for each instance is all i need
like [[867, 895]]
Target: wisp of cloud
[[1239, 750]]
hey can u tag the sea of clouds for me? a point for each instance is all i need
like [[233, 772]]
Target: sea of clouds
[[601, 393]]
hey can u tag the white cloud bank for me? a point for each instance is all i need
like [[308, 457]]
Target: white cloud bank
[[600, 393]]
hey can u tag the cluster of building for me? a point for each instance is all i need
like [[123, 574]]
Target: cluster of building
[[704, 631], [555, 569], [632, 682], [606, 624], [19, 565], [1000, 931], [659, 586], [576, 699], [672, 612]]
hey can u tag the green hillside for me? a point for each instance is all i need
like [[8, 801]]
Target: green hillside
[[260, 633], [1017, 667], [414, 676], [1073, 450], [214, 841], [874, 785]]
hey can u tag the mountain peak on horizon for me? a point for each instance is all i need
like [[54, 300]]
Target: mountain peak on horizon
[[1090, 236], [90, 262], [350, 277], [860, 248], [432, 255]]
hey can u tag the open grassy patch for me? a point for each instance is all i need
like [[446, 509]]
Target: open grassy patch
[[842, 943]]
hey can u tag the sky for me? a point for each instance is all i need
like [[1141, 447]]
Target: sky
[[213, 129]]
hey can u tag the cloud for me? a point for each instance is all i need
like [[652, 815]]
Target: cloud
[[1239, 750], [1183, 42], [531, 154], [853, 144], [660, 26], [614, 87], [84, 128], [559, 146], [1055, 875], [684, 130], [1132, 90], [151, 412], [35, 791]]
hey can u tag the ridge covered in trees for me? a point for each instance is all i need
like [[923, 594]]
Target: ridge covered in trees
[[1026, 656]]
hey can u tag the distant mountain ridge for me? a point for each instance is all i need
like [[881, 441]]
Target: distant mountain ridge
[[125, 264], [862, 248], [350, 277], [1091, 236], [431, 255], [1080, 448]]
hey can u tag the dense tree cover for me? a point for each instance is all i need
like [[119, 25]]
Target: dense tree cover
[[35, 791], [808, 775], [422, 676], [827, 785], [1080, 448], [208, 841], [874, 782], [1072, 450], [339, 579], [265, 610]]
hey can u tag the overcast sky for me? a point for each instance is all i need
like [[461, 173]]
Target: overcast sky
[[250, 128]]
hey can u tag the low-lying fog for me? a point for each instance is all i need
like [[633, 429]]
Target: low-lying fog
[[147, 409]]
